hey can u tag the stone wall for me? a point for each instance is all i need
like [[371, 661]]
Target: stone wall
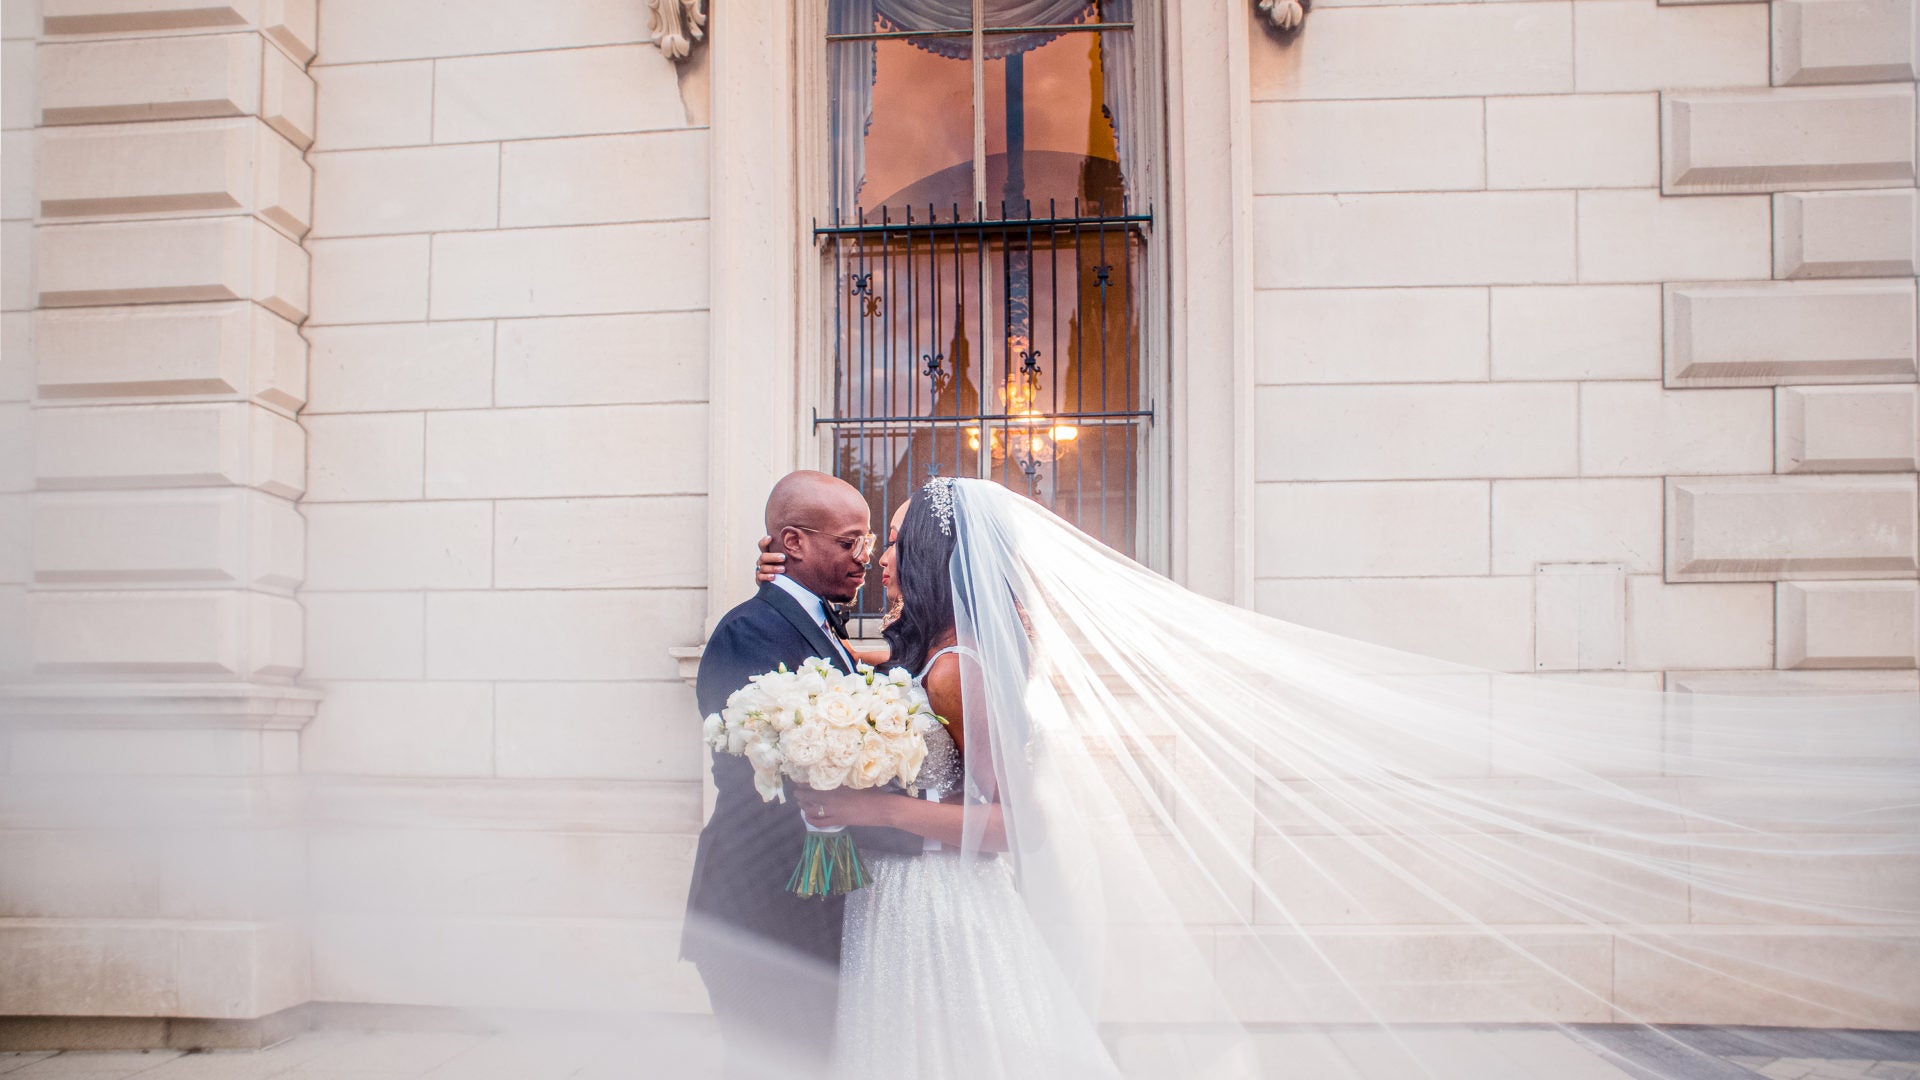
[[1585, 344], [505, 510], [1585, 333]]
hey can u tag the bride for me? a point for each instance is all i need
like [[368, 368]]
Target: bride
[[1168, 836]]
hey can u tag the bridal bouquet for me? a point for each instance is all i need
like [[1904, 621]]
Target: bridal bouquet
[[826, 729]]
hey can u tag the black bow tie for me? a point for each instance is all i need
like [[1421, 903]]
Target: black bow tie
[[836, 618]]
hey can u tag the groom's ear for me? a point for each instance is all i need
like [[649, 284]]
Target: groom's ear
[[787, 540]]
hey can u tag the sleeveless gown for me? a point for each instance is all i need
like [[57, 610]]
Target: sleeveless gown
[[944, 975]]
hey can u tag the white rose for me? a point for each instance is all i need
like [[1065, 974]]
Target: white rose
[[713, 731], [875, 765], [910, 754], [890, 719], [900, 677], [804, 746], [843, 745], [826, 777], [838, 710]]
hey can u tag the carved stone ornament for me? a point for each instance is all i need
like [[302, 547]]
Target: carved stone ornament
[[676, 26], [1285, 14]]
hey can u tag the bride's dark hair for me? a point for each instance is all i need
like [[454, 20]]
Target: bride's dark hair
[[921, 557]]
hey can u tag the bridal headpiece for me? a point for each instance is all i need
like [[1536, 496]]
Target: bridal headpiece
[[940, 496]]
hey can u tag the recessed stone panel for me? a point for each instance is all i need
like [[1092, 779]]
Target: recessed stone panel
[[175, 169], [192, 539], [1798, 139], [166, 78], [1844, 41], [228, 633], [1776, 528], [125, 16], [1769, 333], [1579, 617], [1847, 429], [161, 446], [151, 262], [1849, 624], [232, 349], [1846, 234]]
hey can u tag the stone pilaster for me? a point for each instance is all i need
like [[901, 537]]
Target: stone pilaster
[[153, 723]]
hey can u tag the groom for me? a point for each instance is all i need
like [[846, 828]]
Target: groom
[[769, 958]]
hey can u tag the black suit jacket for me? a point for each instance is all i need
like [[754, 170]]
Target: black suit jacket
[[749, 848]]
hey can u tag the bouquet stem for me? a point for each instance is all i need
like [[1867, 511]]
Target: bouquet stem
[[829, 866]]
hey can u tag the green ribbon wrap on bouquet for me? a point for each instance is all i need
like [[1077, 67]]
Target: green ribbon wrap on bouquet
[[829, 866]]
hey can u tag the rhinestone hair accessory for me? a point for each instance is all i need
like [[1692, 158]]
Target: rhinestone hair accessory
[[940, 495]]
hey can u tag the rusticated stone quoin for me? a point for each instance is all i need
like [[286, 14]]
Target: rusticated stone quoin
[[1849, 624], [1776, 528], [1847, 429], [1793, 139], [1770, 333], [1846, 234]]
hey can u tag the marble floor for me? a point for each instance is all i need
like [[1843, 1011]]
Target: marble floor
[[683, 1049]]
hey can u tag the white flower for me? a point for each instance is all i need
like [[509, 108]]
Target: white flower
[[825, 777], [874, 766], [843, 745], [840, 710], [804, 746], [900, 677], [763, 755], [890, 719], [737, 738], [713, 731], [910, 754], [767, 783]]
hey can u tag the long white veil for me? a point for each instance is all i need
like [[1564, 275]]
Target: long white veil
[[1259, 849]]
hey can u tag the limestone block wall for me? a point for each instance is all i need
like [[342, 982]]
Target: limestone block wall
[[1608, 303], [505, 503], [156, 197], [1585, 345]]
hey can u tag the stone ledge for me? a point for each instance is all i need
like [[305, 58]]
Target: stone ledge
[[19, 1034], [1815, 138], [218, 970], [246, 706], [1773, 333], [1775, 528]]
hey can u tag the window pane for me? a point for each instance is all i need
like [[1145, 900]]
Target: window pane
[[1059, 115], [902, 126]]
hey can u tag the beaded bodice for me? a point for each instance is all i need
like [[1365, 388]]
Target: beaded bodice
[[942, 772]]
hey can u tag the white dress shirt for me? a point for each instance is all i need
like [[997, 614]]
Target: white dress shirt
[[815, 607]]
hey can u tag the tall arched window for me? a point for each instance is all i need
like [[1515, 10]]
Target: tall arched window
[[985, 242]]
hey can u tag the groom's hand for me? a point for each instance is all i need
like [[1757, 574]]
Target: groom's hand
[[771, 564]]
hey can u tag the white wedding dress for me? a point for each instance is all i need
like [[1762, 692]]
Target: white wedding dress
[[943, 973]]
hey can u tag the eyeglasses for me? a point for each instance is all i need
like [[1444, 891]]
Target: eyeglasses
[[858, 546]]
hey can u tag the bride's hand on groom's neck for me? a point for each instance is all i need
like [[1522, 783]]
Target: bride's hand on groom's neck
[[771, 564]]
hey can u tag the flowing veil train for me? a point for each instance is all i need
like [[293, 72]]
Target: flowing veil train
[[1260, 849]]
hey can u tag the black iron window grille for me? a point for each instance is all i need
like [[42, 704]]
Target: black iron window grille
[[1006, 347]]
